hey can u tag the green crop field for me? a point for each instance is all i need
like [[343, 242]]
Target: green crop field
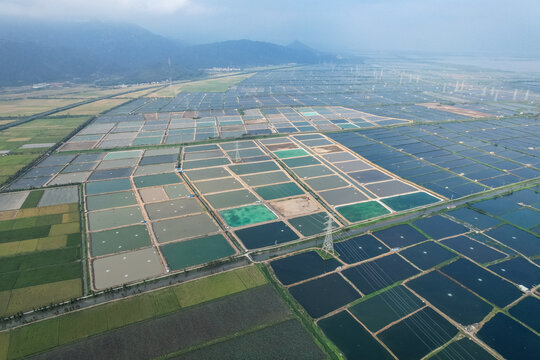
[[26, 107], [26, 101], [217, 286], [32, 200], [93, 108], [4, 344], [82, 324], [82, 91], [228, 317], [40, 253], [29, 339], [39, 295], [220, 84], [48, 130]]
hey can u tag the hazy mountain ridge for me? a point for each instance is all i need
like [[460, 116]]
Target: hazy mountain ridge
[[107, 52]]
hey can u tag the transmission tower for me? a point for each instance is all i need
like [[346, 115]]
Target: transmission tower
[[328, 244], [170, 78], [237, 157]]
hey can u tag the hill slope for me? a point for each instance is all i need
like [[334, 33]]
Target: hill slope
[[91, 51]]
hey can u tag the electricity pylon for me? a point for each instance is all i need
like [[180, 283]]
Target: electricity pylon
[[237, 157], [328, 244]]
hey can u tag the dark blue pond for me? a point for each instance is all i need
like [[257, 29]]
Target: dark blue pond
[[451, 298], [510, 339], [439, 227], [488, 241], [266, 235], [427, 255], [359, 248], [496, 206], [527, 196], [528, 311], [380, 273], [519, 271], [517, 239], [351, 338], [323, 295], [400, 236], [473, 217], [464, 349], [524, 217], [482, 282], [387, 307], [303, 266], [473, 249], [417, 335]]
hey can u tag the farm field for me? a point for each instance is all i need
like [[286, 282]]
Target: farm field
[[25, 101], [254, 312], [79, 91], [93, 108], [40, 249], [218, 84], [27, 107], [25, 143]]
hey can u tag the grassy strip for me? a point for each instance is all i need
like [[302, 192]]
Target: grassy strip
[[83, 241]]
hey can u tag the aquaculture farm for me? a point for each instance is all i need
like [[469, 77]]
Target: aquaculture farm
[[317, 212]]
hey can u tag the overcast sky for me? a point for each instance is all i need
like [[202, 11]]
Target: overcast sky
[[499, 26]]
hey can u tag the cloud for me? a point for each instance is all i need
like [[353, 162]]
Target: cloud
[[81, 9], [155, 6], [428, 25]]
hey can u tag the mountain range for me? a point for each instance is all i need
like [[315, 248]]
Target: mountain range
[[124, 53]]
